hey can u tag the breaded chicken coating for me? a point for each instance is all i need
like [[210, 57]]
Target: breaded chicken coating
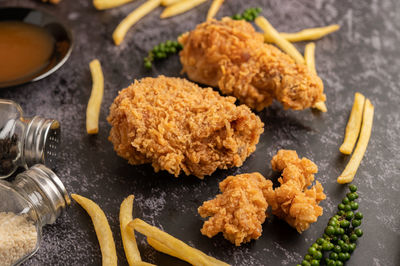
[[293, 201], [177, 126], [231, 55], [239, 211]]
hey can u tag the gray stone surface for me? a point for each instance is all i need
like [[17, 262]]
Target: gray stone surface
[[363, 56]]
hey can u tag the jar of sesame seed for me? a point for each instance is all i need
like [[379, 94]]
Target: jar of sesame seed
[[33, 199], [25, 141]]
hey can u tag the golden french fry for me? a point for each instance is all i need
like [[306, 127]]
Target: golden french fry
[[216, 4], [169, 2], [164, 249], [180, 7], [306, 34], [353, 125], [123, 27], [106, 4], [102, 228], [96, 97], [129, 242], [309, 57], [282, 43], [351, 168], [173, 245]]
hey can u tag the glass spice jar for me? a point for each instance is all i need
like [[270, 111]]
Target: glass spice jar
[[25, 141], [35, 198]]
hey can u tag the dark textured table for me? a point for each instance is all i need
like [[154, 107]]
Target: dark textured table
[[363, 56]]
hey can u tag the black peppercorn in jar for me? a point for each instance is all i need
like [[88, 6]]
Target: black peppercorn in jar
[[25, 141]]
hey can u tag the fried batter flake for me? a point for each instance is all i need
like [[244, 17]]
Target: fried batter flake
[[239, 211], [177, 126], [293, 201], [231, 55]]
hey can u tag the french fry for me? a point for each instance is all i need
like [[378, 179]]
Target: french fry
[[173, 245], [123, 27], [215, 6], [102, 228], [96, 97], [353, 125], [129, 242], [306, 34], [169, 2], [282, 43], [106, 4], [351, 168], [309, 57], [180, 7], [164, 249]]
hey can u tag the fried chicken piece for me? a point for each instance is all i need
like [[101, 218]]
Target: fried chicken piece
[[292, 201], [239, 211], [177, 126], [231, 55]]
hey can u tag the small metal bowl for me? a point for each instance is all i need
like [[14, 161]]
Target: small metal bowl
[[61, 34]]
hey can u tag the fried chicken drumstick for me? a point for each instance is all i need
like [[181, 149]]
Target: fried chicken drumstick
[[177, 126], [231, 55]]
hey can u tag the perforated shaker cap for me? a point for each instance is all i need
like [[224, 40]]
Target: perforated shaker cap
[[42, 140]]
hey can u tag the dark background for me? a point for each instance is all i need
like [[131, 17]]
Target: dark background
[[363, 56]]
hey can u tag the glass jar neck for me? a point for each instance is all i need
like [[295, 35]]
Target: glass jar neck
[[41, 139], [44, 190]]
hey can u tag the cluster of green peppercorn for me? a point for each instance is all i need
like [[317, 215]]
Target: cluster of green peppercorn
[[249, 14], [340, 235], [161, 51]]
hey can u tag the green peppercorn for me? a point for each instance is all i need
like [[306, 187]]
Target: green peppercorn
[[341, 206], [358, 232], [333, 256], [315, 263], [353, 237], [354, 205], [352, 247], [330, 230], [147, 64], [339, 263], [312, 250], [332, 223], [345, 238], [345, 200], [356, 222], [342, 256], [352, 196], [317, 255], [345, 247], [344, 223], [308, 257], [331, 263], [315, 245], [326, 246], [353, 188], [341, 212], [320, 241], [349, 215], [337, 249], [340, 242], [358, 216], [347, 207], [237, 17]]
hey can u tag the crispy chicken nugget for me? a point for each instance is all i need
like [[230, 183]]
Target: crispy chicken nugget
[[239, 211], [293, 201], [177, 126], [231, 55]]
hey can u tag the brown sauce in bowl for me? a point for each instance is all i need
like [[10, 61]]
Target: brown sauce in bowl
[[25, 50]]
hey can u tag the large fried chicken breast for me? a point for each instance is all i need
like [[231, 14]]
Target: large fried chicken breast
[[293, 201], [239, 211], [231, 55], [177, 126]]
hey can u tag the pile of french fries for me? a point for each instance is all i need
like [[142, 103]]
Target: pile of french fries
[[156, 238]]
